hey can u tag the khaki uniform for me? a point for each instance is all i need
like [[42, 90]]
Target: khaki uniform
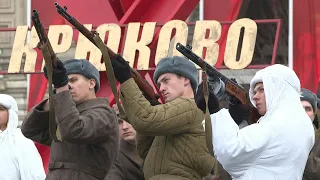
[[172, 139]]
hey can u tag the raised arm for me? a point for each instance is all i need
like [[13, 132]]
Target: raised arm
[[94, 125], [36, 125], [165, 119]]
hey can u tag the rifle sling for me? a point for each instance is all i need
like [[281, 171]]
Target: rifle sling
[[109, 70], [208, 125], [54, 130]]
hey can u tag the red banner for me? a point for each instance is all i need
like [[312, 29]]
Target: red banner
[[306, 41]]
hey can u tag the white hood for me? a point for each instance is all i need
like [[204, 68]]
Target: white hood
[[19, 158], [277, 147], [9, 103], [281, 87]]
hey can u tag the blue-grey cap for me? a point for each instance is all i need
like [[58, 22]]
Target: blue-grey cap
[[85, 68], [307, 95], [180, 66]]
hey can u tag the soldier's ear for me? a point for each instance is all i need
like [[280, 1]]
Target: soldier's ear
[[92, 83], [186, 81]]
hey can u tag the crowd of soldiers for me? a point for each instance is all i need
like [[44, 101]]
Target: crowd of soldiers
[[163, 141]]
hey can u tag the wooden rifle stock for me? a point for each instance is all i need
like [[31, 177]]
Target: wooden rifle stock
[[143, 85], [232, 89], [51, 63], [234, 92], [44, 43]]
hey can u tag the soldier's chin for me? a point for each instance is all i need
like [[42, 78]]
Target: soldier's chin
[[75, 100], [128, 138], [261, 111], [168, 99]]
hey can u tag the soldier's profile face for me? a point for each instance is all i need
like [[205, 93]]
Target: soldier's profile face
[[4, 117], [309, 110], [171, 86], [127, 133], [81, 87], [260, 98]]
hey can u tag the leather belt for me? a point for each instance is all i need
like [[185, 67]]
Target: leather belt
[[82, 168]]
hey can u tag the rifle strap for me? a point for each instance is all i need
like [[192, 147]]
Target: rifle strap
[[109, 70], [208, 125], [54, 130]]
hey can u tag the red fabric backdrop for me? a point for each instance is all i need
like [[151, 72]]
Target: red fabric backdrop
[[306, 34]]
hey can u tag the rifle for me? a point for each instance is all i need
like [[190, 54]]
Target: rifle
[[220, 84], [143, 85], [44, 42], [51, 62]]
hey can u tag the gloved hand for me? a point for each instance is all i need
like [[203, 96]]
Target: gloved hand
[[213, 102], [239, 112], [54, 90], [121, 69], [59, 75]]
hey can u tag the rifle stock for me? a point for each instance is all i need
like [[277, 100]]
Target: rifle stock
[[232, 88], [233, 92], [51, 63], [141, 82], [44, 43]]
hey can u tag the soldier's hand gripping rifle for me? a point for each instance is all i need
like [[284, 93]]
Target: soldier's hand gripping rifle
[[51, 62], [220, 84], [141, 82]]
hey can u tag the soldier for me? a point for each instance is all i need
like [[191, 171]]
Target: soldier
[[19, 158], [309, 103], [128, 165], [88, 125], [278, 145], [172, 141]]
